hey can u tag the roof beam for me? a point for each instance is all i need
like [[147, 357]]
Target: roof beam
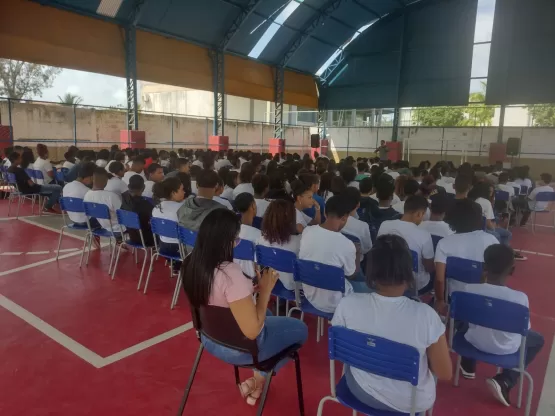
[[322, 15], [237, 23], [368, 9]]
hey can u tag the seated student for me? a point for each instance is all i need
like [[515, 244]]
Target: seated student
[[211, 278], [384, 195], [194, 171], [469, 242], [410, 187], [499, 265], [195, 209], [168, 199], [543, 186], [277, 186], [25, 185], [349, 173], [110, 199], [261, 186], [313, 180], [246, 206], [366, 187], [388, 314], [418, 239], [78, 189], [102, 158], [43, 164], [383, 177], [355, 227], [435, 225], [522, 174], [325, 244], [325, 185], [218, 193], [362, 169], [302, 195], [504, 186], [137, 168], [278, 231], [182, 165], [245, 180], [133, 201], [155, 174], [118, 157], [116, 183], [337, 186], [230, 179], [69, 160]]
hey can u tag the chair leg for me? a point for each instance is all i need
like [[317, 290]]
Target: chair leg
[[322, 402], [457, 371], [264, 393], [190, 382], [286, 308], [18, 205], [155, 256], [236, 374], [322, 327], [89, 250], [87, 236], [135, 251], [112, 253], [116, 262], [178, 285], [530, 392], [299, 383], [59, 242], [144, 263], [277, 305], [318, 330]]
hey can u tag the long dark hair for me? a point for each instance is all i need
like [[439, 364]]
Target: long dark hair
[[213, 247], [278, 223], [390, 262]]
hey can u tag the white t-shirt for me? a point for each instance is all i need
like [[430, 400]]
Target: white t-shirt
[[398, 319], [101, 163], [194, 188], [354, 184], [331, 248], [542, 205], [243, 187], [148, 189], [68, 165], [487, 209], [198, 163], [168, 211], [76, 189], [44, 166], [469, 246], [227, 193], [360, 230], [448, 186], [393, 174], [418, 239], [439, 228], [261, 206], [301, 218], [223, 201], [112, 201], [514, 185], [394, 201], [130, 173], [220, 163], [526, 182], [7, 163], [507, 188], [400, 208], [490, 340], [251, 234], [116, 185], [293, 245]]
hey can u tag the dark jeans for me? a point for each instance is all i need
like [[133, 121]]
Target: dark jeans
[[172, 250], [522, 204], [53, 192], [94, 223], [534, 344]]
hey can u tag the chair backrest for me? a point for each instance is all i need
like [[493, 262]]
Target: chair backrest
[[352, 238], [502, 195], [435, 240], [187, 237], [164, 228], [146, 198], [129, 219], [70, 204], [38, 175], [11, 178], [517, 190], [414, 256], [490, 312], [98, 211], [64, 170], [257, 222], [276, 258], [60, 176], [373, 354], [463, 270], [523, 189], [545, 196], [319, 275], [244, 251], [30, 173]]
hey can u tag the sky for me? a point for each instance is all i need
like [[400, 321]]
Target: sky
[[104, 90]]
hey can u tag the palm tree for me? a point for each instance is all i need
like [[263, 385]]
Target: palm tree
[[70, 99]]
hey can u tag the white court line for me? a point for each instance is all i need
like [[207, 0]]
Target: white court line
[[11, 253], [65, 250], [40, 263], [546, 405], [38, 252], [46, 227]]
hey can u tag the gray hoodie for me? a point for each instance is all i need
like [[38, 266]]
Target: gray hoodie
[[194, 210]]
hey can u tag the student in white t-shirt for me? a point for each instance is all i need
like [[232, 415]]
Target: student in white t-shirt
[[261, 186], [102, 158], [325, 244], [78, 189], [302, 194], [168, 197], [116, 183], [246, 206], [230, 179], [110, 199], [418, 239], [42, 163], [69, 160], [155, 174], [137, 168], [355, 227], [278, 231], [533, 205], [245, 180], [411, 187], [118, 157], [469, 242], [388, 314], [218, 195], [435, 225], [499, 265]]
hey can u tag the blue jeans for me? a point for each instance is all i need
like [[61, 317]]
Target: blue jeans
[[278, 333], [53, 192], [503, 235]]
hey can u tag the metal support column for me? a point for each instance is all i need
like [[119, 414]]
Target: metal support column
[[217, 57], [322, 118], [395, 133], [131, 76], [10, 119], [172, 128], [402, 51], [278, 103], [74, 125], [501, 124]]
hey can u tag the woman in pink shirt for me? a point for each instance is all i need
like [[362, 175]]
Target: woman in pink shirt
[[211, 278]]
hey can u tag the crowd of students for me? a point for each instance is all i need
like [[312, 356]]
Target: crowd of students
[[369, 217]]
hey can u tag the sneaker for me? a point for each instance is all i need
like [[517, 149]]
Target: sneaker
[[52, 210], [499, 390], [520, 257], [467, 374]]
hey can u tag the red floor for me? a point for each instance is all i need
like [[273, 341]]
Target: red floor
[[40, 377]]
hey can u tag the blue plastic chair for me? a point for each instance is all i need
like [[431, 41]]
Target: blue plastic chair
[[484, 223], [146, 198], [257, 222], [502, 195], [321, 276], [244, 251], [435, 240], [352, 238], [524, 190], [21, 197], [374, 355], [100, 212], [187, 239], [414, 256], [75, 205], [38, 176], [59, 176], [462, 270], [496, 314], [31, 174], [517, 190], [162, 228], [542, 197], [129, 220], [282, 261]]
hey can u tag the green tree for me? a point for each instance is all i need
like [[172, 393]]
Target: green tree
[[477, 114], [70, 99], [543, 115], [437, 116], [20, 79]]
